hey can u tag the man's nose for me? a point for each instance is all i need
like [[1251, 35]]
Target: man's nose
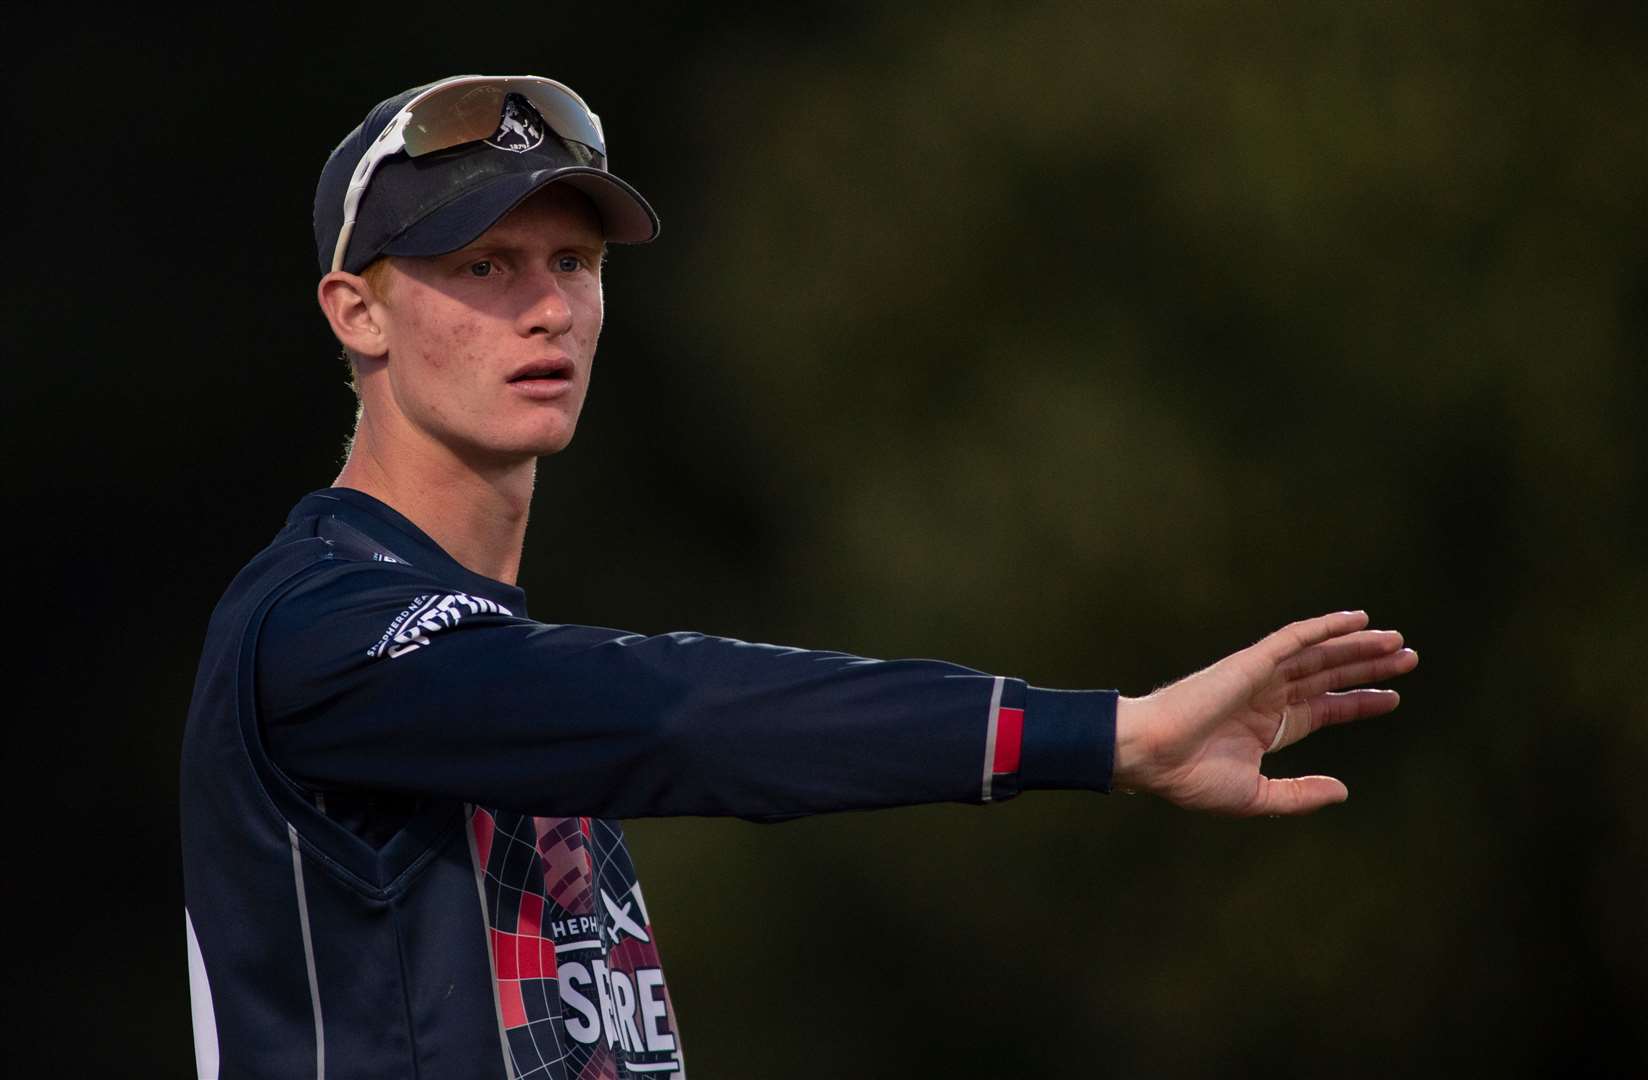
[[548, 311]]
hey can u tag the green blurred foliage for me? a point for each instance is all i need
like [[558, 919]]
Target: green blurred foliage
[[1079, 342], [1093, 342]]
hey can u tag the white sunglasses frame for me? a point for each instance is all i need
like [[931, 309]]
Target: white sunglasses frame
[[392, 139]]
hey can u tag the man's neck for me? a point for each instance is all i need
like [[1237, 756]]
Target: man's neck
[[477, 515]]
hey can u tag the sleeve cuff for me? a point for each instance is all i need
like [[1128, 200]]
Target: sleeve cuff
[[1069, 739]]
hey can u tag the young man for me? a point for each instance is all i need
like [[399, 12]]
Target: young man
[[401, 856]]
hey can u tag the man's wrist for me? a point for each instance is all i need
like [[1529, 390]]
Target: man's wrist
[[1127, 775]]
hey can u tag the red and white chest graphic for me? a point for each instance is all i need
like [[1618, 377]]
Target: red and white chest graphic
[[581, 993]]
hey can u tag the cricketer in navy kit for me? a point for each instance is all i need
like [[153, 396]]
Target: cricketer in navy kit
[[401, 793]]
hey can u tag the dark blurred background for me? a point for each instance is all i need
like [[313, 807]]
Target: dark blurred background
[[1079, 342]]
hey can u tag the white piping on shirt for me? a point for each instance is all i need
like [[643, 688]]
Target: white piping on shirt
[[486, 931], [990, 735], [308, 953]]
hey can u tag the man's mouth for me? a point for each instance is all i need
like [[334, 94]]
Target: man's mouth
[[544, 371]]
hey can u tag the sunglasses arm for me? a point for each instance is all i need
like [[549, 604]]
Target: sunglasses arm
[[391, 140]]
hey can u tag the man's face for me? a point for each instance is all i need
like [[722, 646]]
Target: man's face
[[490, 347]]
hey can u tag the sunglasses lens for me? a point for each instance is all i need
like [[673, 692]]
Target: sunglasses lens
[[466, 112]]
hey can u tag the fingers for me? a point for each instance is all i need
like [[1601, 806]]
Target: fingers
[[1297, 795], [1296, 637], [1350, 705], [1355, 672], [1362, 645], [1303, 718]]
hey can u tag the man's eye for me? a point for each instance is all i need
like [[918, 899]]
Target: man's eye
[[569, 264], [482, 268]]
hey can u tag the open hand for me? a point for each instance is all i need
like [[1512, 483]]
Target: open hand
[[1198, 742]]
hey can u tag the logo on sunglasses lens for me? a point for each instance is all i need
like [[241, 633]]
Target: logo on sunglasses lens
[[521, 129]]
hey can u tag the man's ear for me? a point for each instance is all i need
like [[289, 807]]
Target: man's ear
[[347, 301]]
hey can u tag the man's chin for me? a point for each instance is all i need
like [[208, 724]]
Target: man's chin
[[502, 454], [547, 445], [542, 440]]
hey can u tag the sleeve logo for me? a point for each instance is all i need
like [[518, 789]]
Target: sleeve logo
[[430, 614]]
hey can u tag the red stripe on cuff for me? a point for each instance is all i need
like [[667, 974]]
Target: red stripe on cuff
[[1009, 734]]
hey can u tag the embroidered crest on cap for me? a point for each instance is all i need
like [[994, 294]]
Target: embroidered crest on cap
[[521, 128]]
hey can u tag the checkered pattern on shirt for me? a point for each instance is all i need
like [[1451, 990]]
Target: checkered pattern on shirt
[[517, 912], [544, 873]]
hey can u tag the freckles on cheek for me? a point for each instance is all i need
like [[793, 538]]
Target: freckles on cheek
[[441, 363], [590, 325], [447, 351]]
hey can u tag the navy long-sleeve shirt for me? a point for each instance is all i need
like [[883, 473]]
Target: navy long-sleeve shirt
[[400, 796]]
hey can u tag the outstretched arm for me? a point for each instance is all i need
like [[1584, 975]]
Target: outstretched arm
[[1198, 742]]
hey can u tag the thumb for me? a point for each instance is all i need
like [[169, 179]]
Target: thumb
[[1297, 795]]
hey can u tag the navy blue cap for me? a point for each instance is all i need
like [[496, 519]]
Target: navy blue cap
[[438, 202]]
